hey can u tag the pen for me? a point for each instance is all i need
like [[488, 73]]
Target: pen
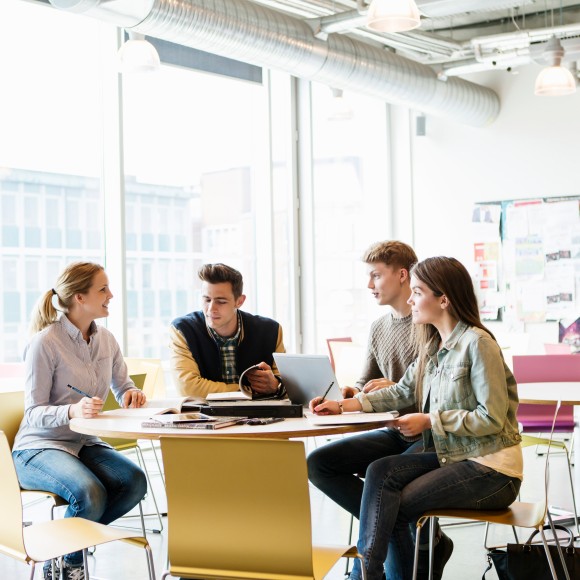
[[80, 392], [326, 393]]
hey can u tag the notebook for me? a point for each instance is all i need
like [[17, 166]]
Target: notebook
[[306, 376]]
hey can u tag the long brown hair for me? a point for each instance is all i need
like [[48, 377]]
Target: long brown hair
[[449, 277], [76, 278]]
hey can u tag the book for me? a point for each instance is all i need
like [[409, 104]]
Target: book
[[351, 418], [213, 423], [173, 405], [244, 393]]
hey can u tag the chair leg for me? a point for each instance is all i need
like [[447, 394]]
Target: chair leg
[[572, 490], [32, 567], [558, 547], [350, 530], [363, 570], [431, 545], [141, 460], [420, 523], [85, 564], [150, 563], [549, 556], [161, 474]]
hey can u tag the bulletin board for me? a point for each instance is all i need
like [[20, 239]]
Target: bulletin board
[[526, 259]]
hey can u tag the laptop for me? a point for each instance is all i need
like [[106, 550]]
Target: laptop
[[306, 376]]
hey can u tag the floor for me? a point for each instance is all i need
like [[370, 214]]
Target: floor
[[330, 525]]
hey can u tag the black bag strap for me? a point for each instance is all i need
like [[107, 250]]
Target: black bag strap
[[557, 527]]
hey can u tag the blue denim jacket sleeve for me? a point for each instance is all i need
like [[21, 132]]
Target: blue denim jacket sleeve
[[391, 398]]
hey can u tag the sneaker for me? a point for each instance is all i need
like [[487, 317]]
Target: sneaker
[[47, 571], [441, 555], [73, 572]]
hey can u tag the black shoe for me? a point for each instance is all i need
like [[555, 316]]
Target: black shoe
[[441, 555]]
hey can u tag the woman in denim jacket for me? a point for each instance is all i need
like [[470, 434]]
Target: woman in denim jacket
[[468, 401]]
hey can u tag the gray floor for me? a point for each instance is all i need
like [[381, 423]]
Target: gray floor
[[330, 525]]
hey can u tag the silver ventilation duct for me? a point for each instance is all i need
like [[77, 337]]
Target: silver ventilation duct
[[249, 32]]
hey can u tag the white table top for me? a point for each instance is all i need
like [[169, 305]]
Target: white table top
[[549, 393], [106, 425]]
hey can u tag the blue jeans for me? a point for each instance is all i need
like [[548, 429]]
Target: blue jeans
[[337, 468], [100, 485], [399, 489]]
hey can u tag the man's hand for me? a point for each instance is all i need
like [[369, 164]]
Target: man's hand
[[86, 408], [376, 384], [413, 424], [262, 380], [349, 392], [133, 399]]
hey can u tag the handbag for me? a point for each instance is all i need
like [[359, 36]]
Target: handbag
[[526, 561]]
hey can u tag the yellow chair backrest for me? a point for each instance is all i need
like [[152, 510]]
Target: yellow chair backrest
[[238, 505], [154, 387], [11, 538], [110, 404], [11, 414]]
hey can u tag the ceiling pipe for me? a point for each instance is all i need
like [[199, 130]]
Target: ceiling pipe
[[252, 33]]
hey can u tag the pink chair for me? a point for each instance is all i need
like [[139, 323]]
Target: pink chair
[[544, 368], [556, 368], [329, 342], [557, 348]]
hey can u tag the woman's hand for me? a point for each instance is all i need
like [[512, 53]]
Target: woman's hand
[[324, 408], [413, 424], [86, 408], [133, 399]]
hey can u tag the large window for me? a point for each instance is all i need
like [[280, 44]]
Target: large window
[[195, 172], [350, 183], [213, 170], [50, 203]]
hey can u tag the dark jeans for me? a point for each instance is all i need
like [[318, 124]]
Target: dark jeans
[[337, 468], [399, 489], [100, 485]]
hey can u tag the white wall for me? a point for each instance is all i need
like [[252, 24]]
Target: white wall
[[531, 150]]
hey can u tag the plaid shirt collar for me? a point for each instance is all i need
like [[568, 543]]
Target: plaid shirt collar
[[228, 348]]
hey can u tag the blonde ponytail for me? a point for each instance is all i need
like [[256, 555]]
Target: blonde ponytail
[[77, 278]]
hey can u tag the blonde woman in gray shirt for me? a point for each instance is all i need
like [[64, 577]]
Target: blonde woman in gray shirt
[[98, 483]]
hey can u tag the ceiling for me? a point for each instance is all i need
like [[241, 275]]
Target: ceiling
[[456, 36]]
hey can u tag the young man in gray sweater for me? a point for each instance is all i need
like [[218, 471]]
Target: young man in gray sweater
[[338, 468]]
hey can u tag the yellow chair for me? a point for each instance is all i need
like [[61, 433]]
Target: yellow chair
[[133, 445], [240, 509], [154, 387], [52, 539], [530, 515], [11, 414]]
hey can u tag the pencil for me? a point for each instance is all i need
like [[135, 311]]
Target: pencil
[[80, 392], [326, 393]]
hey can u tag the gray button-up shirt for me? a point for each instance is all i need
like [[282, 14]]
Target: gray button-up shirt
[[55, 357]]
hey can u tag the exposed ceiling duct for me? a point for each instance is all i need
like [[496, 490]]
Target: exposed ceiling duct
[[253, 33]]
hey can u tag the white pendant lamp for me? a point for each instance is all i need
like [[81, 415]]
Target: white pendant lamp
[[555, 80], [138, 55], [393, 15]]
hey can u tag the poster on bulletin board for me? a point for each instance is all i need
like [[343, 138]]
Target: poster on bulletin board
[[527, 259]]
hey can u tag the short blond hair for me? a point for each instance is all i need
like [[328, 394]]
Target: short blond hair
[[391, 253]]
